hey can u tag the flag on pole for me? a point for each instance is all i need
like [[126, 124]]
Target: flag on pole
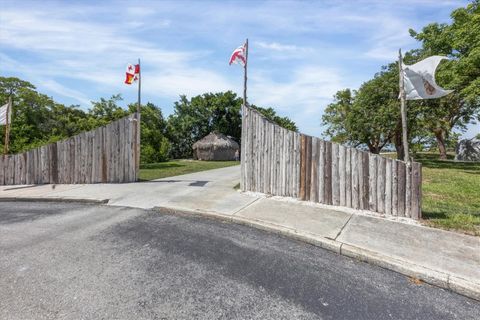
[[132, 73], [239, 55], [419, 79], [3, 114]]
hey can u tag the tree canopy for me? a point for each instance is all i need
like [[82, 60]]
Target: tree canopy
[[195, 118], [37, 120], [370, 116]]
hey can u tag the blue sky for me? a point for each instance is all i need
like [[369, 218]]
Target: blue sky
[[301, 53]]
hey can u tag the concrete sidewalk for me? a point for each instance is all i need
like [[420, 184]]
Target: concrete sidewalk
[[446, 259]]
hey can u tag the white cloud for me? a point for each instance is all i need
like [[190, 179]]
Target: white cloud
[[301, 52], [275, 46]]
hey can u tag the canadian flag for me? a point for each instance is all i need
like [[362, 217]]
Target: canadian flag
[[132, 74], [239, 55]]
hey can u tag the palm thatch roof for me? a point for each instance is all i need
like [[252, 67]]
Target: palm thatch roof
[[216, 140]]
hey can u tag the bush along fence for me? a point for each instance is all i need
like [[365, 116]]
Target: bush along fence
[[281, 162], [106, 154]]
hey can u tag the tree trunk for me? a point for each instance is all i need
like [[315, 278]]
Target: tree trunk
[[373, 148], [399, 145], [440, 136]]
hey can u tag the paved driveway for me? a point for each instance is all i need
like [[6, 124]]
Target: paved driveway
[[60, 261], [210, 190]]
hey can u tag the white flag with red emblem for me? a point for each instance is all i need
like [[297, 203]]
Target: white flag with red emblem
[[419, 79], [239, 55], [132, 74]]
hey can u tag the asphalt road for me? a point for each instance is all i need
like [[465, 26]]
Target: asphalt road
[[76, 261]]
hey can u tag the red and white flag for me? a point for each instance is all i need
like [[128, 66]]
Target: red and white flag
[[132, 74], [239, 55]]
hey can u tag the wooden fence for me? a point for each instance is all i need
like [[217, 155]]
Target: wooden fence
[[106, 154], [281, 162]]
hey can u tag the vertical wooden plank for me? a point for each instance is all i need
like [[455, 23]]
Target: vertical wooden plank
[[84, 154], [416, 209], [16, 169], [274, 177], [297, 164], [33, 166], [242, 149], [111, 152], [122, 149], [73, 164], [288, 175], [328, 173], [94, 171], [381, 184], [394, 173], [265, 155], [133, 169], [280, 160], [401, 188], [372, 182], [335, 175], [303, 163], [267, 162], [308, 166], [321, 172], [288, 154], [22, 157], [53, 163], [408, 191], [118, 153], [2, 170], [253, 154], [250, 132], [285, 163], [6, 159], [45, 164], [63, 152], [293, 165], [356, 166], [342, 174], [104, 151], [314, 176], [59, 155], [77, 160], [348, 178], [10, 174], [388, 186], [364, 180]]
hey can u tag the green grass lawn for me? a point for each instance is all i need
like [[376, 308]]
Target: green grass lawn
[[153, 171], [451, 194]]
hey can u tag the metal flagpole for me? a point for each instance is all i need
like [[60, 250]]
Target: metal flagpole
[[245, 75], [403, 109], [138, 126], [139, 87], [244, 124]]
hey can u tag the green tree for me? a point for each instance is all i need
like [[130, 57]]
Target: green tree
[[155, 146], [36, 118], [195, 118], [106, 111], [271, 115], [460, 41]]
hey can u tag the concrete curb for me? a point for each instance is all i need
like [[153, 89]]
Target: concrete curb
[[57, 199], [443, 280]]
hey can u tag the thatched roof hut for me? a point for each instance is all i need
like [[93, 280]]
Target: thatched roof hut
[[215, 146]]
